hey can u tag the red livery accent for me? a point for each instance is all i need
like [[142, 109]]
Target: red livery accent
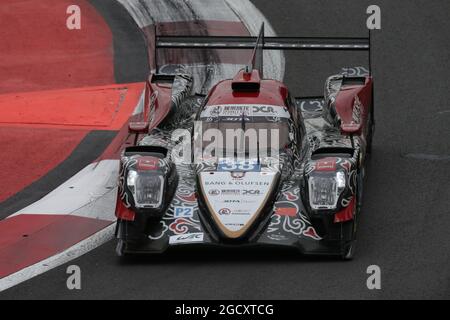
[[353, 106], [157, 100], [311, 233], [290, 196], [291, 212], [347, 213], [124, 213], [191, 197], [326, 164]]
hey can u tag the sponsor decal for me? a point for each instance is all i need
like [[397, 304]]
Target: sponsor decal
[[183, 212], [238, 166], [147, 163], [251, 192], [244, 110], [231, 192], [327, 164], [215, 183], [214, 192], [188, 197], [224, 211], [232, 201], [240, 213], [186, 238], [250, 183], [234, 224], [240, 200]]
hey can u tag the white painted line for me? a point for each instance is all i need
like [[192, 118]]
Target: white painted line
[[73, 252]]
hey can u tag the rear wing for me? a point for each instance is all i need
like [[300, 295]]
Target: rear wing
[[261, 43]]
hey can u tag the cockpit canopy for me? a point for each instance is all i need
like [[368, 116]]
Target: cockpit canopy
[[244, 128]]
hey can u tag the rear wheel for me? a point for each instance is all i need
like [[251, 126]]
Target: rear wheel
[[370, 134]]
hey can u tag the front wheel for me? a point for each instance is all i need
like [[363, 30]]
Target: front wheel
[[120, 248], [349, 249], [370, 134]]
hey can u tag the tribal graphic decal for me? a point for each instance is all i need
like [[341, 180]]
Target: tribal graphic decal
[[183, 225], [289, 218]]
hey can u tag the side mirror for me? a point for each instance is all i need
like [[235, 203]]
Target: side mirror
[[137, 128], [142, 127]]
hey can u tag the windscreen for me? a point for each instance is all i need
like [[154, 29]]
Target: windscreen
[[245, 129]]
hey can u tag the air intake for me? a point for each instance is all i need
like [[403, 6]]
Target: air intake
[[246, 81]]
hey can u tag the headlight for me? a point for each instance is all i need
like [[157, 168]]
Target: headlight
[[147, 189], [325, 189]]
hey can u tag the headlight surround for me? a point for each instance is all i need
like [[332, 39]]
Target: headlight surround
[[147, 189], [325, 189]]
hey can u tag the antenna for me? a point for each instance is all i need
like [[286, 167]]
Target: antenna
[[257, 61], [370, 52], [155, 56]]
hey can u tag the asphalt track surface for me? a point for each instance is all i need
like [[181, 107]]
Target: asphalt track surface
[[405, 223]]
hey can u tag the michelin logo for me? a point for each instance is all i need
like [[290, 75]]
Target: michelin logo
[[186, 238]]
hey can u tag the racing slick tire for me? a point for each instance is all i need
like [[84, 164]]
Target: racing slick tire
[[349, 249], [120, 248], [370, 134]]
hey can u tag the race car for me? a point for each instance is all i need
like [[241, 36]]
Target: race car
[[297, 182]]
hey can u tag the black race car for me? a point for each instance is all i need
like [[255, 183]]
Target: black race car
[[293, 178]]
